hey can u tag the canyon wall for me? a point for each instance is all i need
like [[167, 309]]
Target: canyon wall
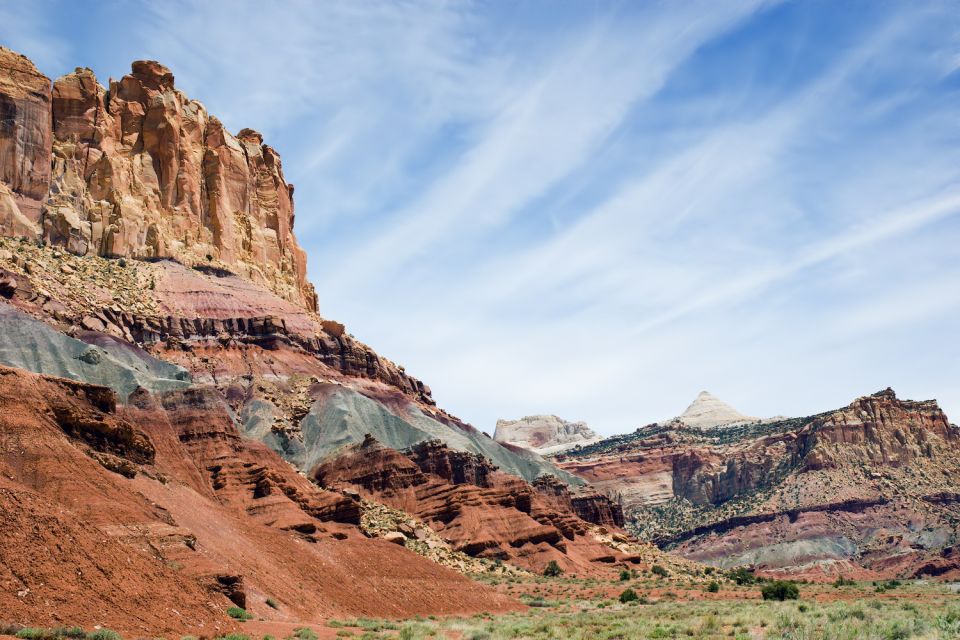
[[866, 490], [138, 169]]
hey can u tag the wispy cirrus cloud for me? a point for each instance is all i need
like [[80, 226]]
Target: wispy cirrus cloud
[[546, 127]]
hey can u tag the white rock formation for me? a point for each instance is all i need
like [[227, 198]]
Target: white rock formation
[[544, 434], [708, 411]]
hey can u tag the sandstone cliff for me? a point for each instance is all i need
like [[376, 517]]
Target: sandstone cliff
[[138, 169], [863, 490], [25, 144]]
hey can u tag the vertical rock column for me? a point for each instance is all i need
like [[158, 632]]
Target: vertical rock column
[[25, 144]]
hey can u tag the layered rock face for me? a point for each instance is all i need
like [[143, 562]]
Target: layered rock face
[[587, 503], [479, 510], [156, 516], [140, 170], [857, 491], [544, 434]]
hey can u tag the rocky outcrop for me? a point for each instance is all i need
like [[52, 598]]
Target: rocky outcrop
[[840, 492], [589, 505], [25, 144], [458, 467], [544, 434], [86, 412], [502, 518], [709, 411], [138, 169]]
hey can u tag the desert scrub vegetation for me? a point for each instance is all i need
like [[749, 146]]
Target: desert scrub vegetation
[[304, 633], [58, 633], [240, 614], [628, 595], [780, 590], [924, 615]]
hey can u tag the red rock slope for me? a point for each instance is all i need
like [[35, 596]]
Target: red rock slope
[[154, 517], [477, 509]]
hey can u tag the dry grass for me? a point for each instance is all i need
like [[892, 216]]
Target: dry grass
[[857, 612]]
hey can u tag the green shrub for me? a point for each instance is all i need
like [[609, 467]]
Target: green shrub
[[60, 633], [780, 590], [629, 595], [742, 576], [625, 575], [843, 582], [660, 571], [713, 587], [553, 570], [539, 602], [272, 603], [305, 633], [239, 614]]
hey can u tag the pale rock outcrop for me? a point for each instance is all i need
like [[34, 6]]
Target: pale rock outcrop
[[708, 411], [544, 434]]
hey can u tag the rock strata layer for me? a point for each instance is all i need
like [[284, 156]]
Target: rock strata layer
[[866, 490], [483, 512]]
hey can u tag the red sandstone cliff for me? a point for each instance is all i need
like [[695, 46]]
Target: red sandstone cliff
[[477, 509], [138, 169]]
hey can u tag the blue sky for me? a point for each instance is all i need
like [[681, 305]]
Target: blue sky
[[596, 209]]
